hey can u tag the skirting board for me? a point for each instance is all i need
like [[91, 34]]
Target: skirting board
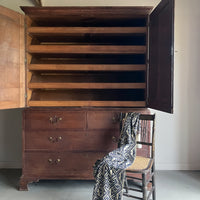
[[159, 166], [10, 165], [185, 166]]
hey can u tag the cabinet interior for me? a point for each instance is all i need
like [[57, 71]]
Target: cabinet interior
[[88, 57]]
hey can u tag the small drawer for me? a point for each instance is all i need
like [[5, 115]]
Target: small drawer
[[72, 140], [101, 140], [50, 120], [60, 164], [103, 120]]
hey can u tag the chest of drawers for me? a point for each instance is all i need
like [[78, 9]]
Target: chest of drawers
[[61, 144]]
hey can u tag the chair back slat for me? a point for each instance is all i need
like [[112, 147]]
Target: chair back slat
[[147, 117]]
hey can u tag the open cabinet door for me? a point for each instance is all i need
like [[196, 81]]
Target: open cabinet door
[[161, 57], [12, 67]]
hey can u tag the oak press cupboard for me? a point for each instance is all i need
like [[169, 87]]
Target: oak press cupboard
[[74, 69]]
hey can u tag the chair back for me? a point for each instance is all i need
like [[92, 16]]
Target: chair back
[[145, 136]]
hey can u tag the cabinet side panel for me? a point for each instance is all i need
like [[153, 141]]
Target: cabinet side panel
[[12, 69]]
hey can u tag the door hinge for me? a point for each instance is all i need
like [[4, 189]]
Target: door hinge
[[148, 22], [172, 51], [25, 96]]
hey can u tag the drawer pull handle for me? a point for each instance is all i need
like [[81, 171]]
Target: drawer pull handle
[[114, 139], [50, 160], [51, 119], [55, 139], [55, 119], [115, 119]]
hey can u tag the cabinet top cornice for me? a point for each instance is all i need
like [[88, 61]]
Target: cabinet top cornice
[[117, 11]]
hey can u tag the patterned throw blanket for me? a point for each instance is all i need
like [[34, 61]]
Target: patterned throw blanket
[[109, 172]]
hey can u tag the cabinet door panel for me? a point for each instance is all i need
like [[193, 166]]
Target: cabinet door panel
[[161, 57], [12, 69]]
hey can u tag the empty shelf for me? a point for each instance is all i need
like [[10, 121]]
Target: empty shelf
[[86, 85], [88, 103], [87, 67], [89, 49], [82, 30]]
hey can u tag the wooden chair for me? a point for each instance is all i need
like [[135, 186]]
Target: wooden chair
[[139, 179]]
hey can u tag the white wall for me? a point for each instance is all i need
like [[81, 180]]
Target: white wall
[[177, 135]]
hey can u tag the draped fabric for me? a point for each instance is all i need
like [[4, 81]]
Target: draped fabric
[[109, 172]]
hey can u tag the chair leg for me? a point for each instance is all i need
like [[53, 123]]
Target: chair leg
[[126, 183], [153, 183], [144, 187]]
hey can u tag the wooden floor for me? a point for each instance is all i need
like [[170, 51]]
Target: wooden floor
[[171, 185]]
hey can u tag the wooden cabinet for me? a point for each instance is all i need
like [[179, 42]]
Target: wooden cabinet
[[75, 70]]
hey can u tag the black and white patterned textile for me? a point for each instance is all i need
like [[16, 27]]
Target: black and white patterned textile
[[109, 172]]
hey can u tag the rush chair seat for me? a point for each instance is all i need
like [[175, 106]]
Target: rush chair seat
[[139, 179], [140, 163]]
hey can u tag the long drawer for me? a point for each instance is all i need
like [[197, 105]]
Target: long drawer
[[72, 140], [66, 164], [51, 120]]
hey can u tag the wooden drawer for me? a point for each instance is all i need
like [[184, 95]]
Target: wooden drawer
[[103, 120], [71, 140], [60, 164], [50, 120]]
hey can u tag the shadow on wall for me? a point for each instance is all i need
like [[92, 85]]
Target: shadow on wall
[[10, 138]]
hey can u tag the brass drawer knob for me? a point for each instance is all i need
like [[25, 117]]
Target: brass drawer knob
[[60, 138], [58, 160], [115, 119], [50, 160], [51, 119], [114, 139]]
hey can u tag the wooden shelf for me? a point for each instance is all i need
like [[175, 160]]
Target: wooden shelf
[[86, 67], [87, 103], [87, 49], [38, 31], [87, 85]]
